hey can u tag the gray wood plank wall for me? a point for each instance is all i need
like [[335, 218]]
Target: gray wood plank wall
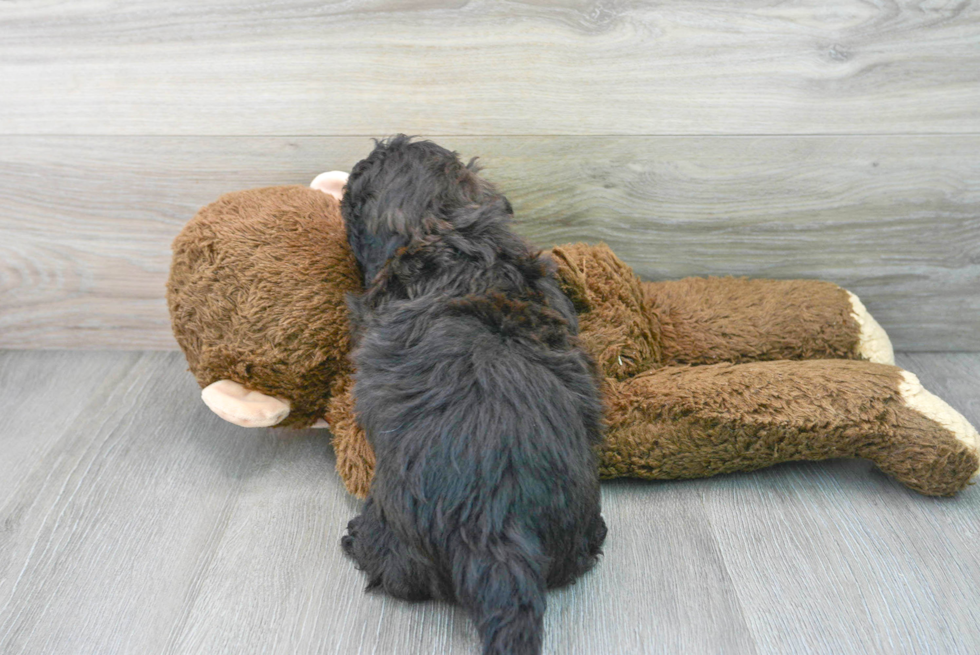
[[834, 140], [489, 67]]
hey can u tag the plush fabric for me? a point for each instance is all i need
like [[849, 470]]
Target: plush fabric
[[702, 375], [256, 295], [692, 422]]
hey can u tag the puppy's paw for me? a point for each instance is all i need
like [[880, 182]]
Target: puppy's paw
[[349, 540]]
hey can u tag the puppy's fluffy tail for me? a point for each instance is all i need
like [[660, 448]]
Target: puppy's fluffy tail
[[502, 585]]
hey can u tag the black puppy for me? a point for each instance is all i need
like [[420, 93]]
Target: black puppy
[[481, 408]]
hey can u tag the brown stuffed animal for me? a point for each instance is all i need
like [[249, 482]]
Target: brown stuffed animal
[[702, 376]]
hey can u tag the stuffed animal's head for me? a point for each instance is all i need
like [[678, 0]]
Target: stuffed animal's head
[[256, 296]]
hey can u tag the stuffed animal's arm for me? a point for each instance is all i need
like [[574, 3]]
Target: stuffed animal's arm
[[355, 457], [631, 326], [712, 320], [692, 422]]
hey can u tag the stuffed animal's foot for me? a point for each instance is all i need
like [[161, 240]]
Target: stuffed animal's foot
[[926, 445], [873, 343], [935, 408]]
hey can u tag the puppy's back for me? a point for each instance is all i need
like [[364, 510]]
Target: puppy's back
[[481, 409], [485, 439]]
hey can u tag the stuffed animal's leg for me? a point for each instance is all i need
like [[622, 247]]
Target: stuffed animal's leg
[[690, 422], [711, 320]]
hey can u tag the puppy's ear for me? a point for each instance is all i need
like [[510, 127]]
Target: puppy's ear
[[387, 250], [372, 250]]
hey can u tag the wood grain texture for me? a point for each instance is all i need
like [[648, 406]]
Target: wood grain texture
[[141, 523], [87, 221], [101, 539], [26, 439], [901, 567], [489, 68]]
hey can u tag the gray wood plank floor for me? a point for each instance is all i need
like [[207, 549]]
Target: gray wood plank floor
[[134, 521]]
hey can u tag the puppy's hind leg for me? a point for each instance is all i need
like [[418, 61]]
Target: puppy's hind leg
[[386, 560], [582, 557]]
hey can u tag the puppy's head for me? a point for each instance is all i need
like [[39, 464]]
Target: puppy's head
[[404, 190]]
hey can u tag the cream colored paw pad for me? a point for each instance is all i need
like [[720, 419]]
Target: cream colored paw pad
[[937, 409], [873, 342]]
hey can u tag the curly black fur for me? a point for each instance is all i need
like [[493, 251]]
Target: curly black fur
[[482, 410]]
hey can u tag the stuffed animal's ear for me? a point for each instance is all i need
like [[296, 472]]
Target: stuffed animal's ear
[[242, 406], [332, 183]]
